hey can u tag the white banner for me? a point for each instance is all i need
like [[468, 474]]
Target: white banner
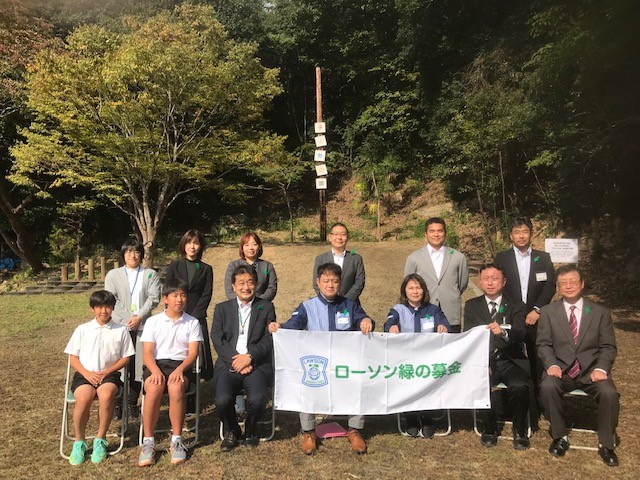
[[348, 373]]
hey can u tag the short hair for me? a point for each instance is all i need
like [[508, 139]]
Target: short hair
[[339, 224], [242, 270], [187, 237], [132, 244], [425, 291], [487, 266], [438, 220], [520, 221], [245, 239], [174, 285], [572, 267], [329, 268], [100, 298]]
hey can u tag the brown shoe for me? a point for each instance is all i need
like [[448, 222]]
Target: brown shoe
[[309, 442], [358, 444]]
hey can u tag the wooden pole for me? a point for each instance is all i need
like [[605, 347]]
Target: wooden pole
[[323, 192], [91, 270], [76, 270], [103, 267], [64, 273]]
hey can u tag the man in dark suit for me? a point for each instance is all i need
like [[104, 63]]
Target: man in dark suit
[[577, 348], [353, 276], [244, 345], [530, 278], [505, 318]]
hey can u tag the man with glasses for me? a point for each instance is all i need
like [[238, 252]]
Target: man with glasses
[[353, 276], [577, 348], [137, 292]]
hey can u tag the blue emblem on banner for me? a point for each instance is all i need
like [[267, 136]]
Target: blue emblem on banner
[[315, 371]]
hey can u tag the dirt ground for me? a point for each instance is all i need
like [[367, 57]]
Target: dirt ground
[[32, 395]]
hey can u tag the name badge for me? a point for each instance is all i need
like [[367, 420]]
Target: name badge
[[342, 318], [241, 346], [541, 277], [134, 308], [428, 323]]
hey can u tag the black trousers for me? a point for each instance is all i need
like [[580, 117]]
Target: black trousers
[[552, 389], [230, 384], [518, 385]]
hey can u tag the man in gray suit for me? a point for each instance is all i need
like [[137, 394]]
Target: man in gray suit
[[353, 277], [577, 347], [443, 268]]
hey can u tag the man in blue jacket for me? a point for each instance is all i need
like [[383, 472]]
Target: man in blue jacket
[[329, 312]]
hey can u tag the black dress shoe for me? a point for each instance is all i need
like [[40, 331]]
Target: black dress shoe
[[230, 442], [608, 456], [520, 442], [489, 439], [413, 431], [117, 412], [559, 447], [428, 430], [252, 440]]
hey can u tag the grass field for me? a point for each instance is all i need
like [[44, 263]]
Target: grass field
[[34, 330]]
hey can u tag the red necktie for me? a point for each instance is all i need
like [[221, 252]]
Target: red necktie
[[574, 371]]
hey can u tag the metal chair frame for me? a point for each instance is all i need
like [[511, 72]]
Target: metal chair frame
[[500, 387], [446, 413]]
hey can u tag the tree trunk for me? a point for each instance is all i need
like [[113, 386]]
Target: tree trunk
[[288, 200], [22, 245]]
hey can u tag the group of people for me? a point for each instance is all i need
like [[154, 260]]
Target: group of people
[[539, 349]]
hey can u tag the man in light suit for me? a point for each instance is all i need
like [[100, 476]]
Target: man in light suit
[[508, 364], [137, 291], [530, 278], [443, 268], [353, 276], [244, 346], [577, 348]]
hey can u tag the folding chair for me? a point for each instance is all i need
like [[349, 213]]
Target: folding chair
[[271, 423], [194, 389], [447, 413], [500, 387], [69, 399], [578, 393]]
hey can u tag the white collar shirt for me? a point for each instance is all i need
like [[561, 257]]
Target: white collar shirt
[[244, 317], [497, 301], [523, 262], [134, 276], [100, 346], [577, 312], [437, 258], [171, 338], [338, 258]]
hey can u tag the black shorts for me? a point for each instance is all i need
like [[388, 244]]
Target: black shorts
[[167, 367], [79, 380]]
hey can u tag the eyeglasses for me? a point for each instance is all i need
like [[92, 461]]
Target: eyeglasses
[[135, 253], [572, 283]]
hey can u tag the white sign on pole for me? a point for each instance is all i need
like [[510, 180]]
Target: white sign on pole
[[348, 373], [321, 183], [320, 156], [321, 141], [562, 250], [321, 169], [320, 127]]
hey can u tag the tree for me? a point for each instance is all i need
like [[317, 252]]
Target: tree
[[145, 116]]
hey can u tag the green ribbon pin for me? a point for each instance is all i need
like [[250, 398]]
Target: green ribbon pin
[[587, 309], [536, 259], [353, 251], [345, 312], [501, 309], [451, 251], [266, 271], [198, 266], [260, 307], [150, 275]]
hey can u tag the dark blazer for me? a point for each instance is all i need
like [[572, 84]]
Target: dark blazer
[[476, 312], [539, 293], [200, 288], [267, 285], [353, 276], [596, 347], [225, 331]]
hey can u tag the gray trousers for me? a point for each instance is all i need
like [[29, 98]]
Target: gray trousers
[[308, 421]]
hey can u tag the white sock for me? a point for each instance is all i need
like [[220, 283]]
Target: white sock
[[175, 438], [150, 440]]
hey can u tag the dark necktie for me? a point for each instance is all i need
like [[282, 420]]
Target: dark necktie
[[574, 371], [494, 310]]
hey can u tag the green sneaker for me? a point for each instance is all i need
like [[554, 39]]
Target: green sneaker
[[77, 453], [99, 453]]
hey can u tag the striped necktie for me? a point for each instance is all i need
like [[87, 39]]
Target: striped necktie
[[574, 371]]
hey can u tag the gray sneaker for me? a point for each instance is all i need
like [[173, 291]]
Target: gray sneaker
[[178, 451], [147, 455]]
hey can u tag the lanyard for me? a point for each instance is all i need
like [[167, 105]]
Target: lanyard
[[135, 282], [242, 324]]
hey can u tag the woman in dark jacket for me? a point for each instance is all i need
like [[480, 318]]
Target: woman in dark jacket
[[250, 252]]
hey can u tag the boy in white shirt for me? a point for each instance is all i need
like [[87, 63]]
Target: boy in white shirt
[[97, 350], [170, 347]]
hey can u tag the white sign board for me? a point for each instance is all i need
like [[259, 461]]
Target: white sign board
[[562, 250], [321, 183], [320, 127], [320, 156], [321, 141], [321, 169]]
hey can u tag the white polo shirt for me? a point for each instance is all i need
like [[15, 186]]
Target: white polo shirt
[[100, 346], [171, 338]]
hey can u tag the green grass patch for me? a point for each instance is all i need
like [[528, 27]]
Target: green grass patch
[[30, 313]]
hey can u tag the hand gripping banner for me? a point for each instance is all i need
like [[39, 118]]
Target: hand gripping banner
[[348, 373]]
